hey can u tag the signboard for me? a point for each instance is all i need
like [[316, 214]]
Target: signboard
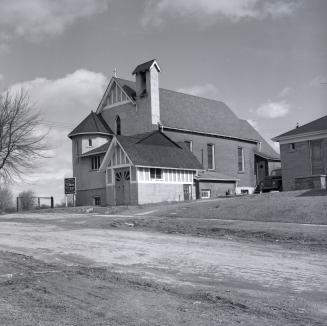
[[70, 186]]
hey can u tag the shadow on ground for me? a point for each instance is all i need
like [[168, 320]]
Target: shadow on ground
[[313, 193]]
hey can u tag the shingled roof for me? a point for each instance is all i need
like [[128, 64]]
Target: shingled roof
[[92, 124], [184, 111], [311, 127], [98, 150], [157, 150], [146, 66]]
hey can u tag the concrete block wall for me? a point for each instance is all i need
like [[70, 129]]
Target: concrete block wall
[[295, 163]]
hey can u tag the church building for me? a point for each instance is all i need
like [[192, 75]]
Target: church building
[[146, 144]]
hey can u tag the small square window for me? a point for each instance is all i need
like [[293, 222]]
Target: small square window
[[156, 174], [97, 201], [205, 193]]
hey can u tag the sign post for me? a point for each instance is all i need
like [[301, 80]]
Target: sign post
[[70, 188]]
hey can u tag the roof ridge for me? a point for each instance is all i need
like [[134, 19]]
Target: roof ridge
[[171, 90]]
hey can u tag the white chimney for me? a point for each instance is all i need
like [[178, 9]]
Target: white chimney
[[147, 87]]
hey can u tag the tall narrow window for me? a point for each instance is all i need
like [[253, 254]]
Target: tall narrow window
[[118, 125], [95, 162], [211, 156], [188, 144], [90, 141], [240, 155]]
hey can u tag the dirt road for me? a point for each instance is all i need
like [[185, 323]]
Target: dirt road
[[229, 282]]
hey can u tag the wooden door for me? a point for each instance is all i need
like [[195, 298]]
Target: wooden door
[[187, 192], [261, 171], [122, 186]]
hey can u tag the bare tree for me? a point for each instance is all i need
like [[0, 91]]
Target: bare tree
[[21, 142], [6, 199], [26, 200]]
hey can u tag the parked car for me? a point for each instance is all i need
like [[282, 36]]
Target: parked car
[[272, 181]]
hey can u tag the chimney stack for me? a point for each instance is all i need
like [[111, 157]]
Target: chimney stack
[[147, 87]]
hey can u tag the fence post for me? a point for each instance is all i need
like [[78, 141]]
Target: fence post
[[52, 202], [17, 204]]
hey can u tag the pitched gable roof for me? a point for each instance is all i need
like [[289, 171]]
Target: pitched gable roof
[[311, 127], [184, 111], [92, 124], [146, 66], [144, 150]]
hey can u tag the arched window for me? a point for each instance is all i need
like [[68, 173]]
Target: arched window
[[118, 125]]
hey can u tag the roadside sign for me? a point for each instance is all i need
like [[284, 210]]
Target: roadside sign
[[70, 186]]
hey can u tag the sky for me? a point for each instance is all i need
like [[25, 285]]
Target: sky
[[267, 60]]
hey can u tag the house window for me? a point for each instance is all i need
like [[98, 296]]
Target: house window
[[155, 174], [240, 154], [189, 144], [205, 193], [95, 162], [211, 156], [292, 147], [90, 142], [118, 125], [97, 201]]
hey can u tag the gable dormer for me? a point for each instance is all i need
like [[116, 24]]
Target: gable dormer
[[115, 95]]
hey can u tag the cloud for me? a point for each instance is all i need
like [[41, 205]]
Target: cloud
[[39, 18], [234, 10], [273, 110], [285, 92], [318, 81], [207, 91], [63, 103]]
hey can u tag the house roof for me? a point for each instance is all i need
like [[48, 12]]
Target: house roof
[[311, 127], [184, 111], [213, 175], [92, 124], [157, 150], [146, 66], [98, 150]]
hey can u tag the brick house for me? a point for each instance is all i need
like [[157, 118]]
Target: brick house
[[303, 153], [231, 155]]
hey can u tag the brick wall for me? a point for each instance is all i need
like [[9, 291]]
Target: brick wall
[[134, 119], [226, 160], [86, 197], [85, 177], [217, 188]]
